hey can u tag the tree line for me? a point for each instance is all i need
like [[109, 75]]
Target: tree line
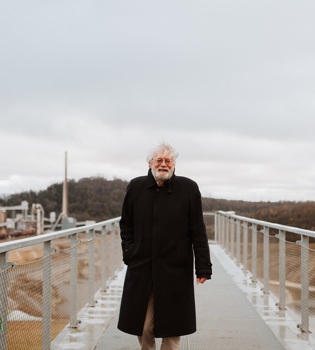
[[93, 198], [96, 198]]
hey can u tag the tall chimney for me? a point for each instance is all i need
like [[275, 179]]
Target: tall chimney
[[65, 192]]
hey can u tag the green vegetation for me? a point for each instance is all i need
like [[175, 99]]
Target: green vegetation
[[97, 198], [296, 214], [92, 198]]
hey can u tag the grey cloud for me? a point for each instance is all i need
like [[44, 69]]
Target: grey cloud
[[231, 82]]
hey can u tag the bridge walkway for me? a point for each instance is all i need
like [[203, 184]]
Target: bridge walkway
[[232, 313]]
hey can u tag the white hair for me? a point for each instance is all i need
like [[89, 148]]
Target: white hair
[[164, 147]]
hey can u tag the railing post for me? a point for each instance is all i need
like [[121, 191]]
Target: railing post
[[222, 230], [73, 280], [114, 256], [304, 326], [118, 252], [46, 322], [254, 252], [4, 300], [91, 248], [282, 269], [110, 258], [245, 247], [265, 231], [232, 238], [103, 259], [238, 242], [227, 233], [216, 228]]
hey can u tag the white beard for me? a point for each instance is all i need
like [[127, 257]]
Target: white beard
[[162, 175]]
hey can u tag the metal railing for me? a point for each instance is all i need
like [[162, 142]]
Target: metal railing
[[281, 257], [46, 280]]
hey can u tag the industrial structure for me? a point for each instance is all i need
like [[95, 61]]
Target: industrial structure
[[18, 220]]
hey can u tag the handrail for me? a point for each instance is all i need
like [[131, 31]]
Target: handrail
[[88, 259], [26, 242], [299, 231], [272, 259]]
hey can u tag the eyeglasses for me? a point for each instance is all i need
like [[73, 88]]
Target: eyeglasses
[[159, 161]]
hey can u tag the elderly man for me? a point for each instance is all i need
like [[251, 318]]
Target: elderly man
[[163, 234]]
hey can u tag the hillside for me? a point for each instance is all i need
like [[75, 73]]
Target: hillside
[[97, 198], [93, 198]]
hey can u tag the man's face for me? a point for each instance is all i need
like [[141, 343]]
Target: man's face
[[162, 166]]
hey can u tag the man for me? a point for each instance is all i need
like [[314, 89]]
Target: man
[[162, 230]]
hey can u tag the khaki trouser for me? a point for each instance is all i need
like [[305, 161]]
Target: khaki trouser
[[147, 340]]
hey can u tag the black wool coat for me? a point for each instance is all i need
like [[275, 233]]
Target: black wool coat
[[163, 234]]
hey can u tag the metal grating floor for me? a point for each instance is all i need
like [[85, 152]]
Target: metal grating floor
[[226, 321]]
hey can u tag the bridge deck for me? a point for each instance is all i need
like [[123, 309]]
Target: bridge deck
[[232, 313]]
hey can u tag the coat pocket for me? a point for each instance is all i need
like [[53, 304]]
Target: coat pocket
[[127, 249]]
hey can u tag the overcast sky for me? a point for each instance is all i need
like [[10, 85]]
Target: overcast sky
[[230, 84]]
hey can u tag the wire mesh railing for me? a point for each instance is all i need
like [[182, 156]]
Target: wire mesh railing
[[46, 280], [281, 258]]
